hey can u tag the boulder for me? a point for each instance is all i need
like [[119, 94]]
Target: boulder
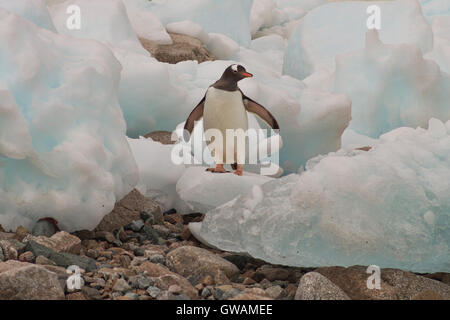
[[314, 286], [127, 210], [395, 284], [199, 263], [25, 281]]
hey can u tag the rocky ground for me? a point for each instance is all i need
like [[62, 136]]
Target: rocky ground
[[138, 252]]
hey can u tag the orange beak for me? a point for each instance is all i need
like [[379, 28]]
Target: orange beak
[[246, 74]]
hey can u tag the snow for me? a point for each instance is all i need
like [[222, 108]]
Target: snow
[[231, 17], [321, 34], [63, 152], [199, 188], [33, 10], [145, 23], [188, 28], [221, 46], [391, 86], [432, 8], [441, 40], [389, 207], [103, 20], [158, 175]]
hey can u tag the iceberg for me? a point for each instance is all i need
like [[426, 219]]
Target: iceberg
[[199, 188], [33, 10], [231, 17], [389, 207], [391, 86], [322, 34], [63, 151], [114, 29]]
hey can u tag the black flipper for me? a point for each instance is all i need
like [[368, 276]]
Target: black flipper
[[254, 107], [195, 115]]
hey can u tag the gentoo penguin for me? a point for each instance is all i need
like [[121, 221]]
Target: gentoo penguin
[[224, 106]]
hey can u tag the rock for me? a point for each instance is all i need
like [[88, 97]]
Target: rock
[[150, 234], [84, 234], [2, 256], [59, 242], [271, 273], [440, 276], [135, 225], [249, 296], [139, 252], [127, 210], [193, 217], [189, 260], [105, 236], [62, 259], [157, 258], [44, 261], [163, 137], [91, 293], [25, 281], [75, 296], [248, 281], [206, 292], [27, 256], [9, 252], [164, 278], [153, 291], [395, 284], [21, 232], [121, 285], [275, 292], [314, 286], [427, 295], [240, 260], [44, 227], [183, 48]]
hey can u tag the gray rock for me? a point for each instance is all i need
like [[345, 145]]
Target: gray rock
[[150, 234], [25, 281], [2, 256], [230, 294], [157, 258], [136, 225], [147, 217], [206, 292], [62, 259], [189, 260], [153, 291], [314, 286], [9, 250], [121, 285], [132, 295], [44, 228], [139, 252]]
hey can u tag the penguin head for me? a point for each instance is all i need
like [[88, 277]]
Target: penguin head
[[235, 73]]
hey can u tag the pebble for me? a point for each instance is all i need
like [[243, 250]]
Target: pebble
[[206, 292], [139, 252], [157, 258], [121, 285], [27, 256], [275, 292], [147, 217], [153, 291]]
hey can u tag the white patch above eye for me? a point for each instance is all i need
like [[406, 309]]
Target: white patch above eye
[[234, 67]]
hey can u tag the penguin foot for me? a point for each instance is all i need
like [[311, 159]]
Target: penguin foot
[[218, 169], [239, 170]]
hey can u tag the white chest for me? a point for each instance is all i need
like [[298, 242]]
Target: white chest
[[224, 110]]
